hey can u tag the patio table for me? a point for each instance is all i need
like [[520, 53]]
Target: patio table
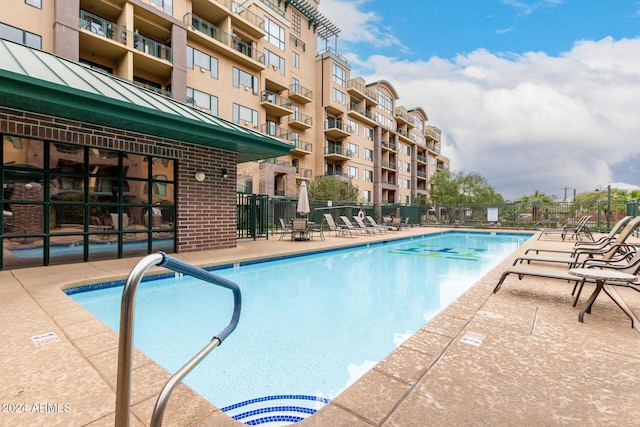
[[603, 277]]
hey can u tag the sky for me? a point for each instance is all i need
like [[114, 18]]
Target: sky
[[534, 95]]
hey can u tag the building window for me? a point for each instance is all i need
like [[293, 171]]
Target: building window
[[271, 59], [418, 124], [296, 24], [245, 116], [339, 97], [275, 33], [407, 150], [339, 75], [368, 154], [368, 133], [195, 58], [353, 127], [385, 103], [352, 172], [368, 175], [99, 67], [166, 5], [17, 35], [203, 101], [366, 196], [295, 59], [245, 79], [354, 150], [34, 3]]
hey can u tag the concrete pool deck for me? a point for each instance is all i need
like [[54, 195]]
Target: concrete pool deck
[[535, 364]]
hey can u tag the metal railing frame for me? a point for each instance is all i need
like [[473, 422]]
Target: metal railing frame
[[125, 346]]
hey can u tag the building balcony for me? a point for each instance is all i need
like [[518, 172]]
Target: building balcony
[[276, 105], [302, 147], [300, 94], [336, 108], [404, 135], [297, 42], [300, 120], [241, 17], [304, 173], [337, 153], [360, 113], [359, 91], [388, 145], [227, 44], [402, 117], [336, 129], [421, 174], [421, 159], [433, 133], [388, 165]]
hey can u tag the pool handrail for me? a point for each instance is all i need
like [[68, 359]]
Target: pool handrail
[[125, 346]]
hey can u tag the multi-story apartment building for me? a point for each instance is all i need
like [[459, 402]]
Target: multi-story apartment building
[[255, 64]]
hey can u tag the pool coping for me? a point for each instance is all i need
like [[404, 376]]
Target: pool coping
[[375, 399]]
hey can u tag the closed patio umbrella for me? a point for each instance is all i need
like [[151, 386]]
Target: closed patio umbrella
[[303, 200]]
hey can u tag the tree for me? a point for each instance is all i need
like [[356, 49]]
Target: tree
[[460, 189], [331, 188], [535, 200]]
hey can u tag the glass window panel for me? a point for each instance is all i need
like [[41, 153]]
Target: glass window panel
[[136, 166], [103, 249], [23, 152], [103, 162], [135, 244], [20, 255], [165, 244], [66, 249], [66, 218]]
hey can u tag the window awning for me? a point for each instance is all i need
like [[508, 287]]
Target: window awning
[[41, 82]]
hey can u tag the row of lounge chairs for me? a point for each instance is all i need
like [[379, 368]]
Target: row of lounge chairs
[[578, 231], [348, 228], [609, 252]]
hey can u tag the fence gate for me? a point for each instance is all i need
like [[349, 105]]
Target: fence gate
[[253, 214]]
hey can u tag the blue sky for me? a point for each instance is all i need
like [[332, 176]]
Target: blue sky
[[533, 95]]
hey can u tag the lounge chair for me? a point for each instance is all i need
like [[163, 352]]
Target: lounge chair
[[632, 266], [629, 223], [373, 223], [347, 225], [613, 253], [574, 231], [338, 230], [360, 225], [363, 225]]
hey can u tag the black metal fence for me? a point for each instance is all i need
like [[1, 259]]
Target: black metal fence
[[258, 215], [535, 215]]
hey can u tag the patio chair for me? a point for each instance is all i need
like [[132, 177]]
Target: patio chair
[[376, 228], [629, 223], [299, 229], [338, 230], [614, 252], [632, 266], [361, 226], [579, 229], [284, 228], [385, 227]]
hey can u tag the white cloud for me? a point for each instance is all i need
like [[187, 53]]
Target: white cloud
[[357, 26], [525, 122]]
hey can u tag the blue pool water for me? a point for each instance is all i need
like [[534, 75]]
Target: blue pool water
[[310, 325]]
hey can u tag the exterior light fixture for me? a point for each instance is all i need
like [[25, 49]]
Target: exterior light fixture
[[200, 176], [225, 173]]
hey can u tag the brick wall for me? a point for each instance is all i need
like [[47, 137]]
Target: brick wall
[[205, 211]]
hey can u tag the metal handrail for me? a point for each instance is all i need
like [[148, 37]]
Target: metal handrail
[[125, 347]]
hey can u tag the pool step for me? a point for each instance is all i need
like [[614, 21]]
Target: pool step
[[275, 411]]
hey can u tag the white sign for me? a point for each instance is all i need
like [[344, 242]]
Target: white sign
[[44, 339], [492, 214], [473, 338]]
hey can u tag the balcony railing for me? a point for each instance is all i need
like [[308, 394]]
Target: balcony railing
[[276, 99], [389, 165], [301, 117], [361, 88], [433, 132], [120, 34], [304, 172], [201, 25], [297, 42], [237, 9], [337, 124], [271, 5], [300, 90], [304, 145], [362, 111], [389, 145], [340, 151]]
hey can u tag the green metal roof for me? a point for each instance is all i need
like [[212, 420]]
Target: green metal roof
[[40, 82]]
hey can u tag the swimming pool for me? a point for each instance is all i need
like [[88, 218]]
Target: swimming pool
[[310, 325]]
